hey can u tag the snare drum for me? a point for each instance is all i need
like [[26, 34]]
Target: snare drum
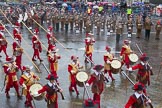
[[115, 66], [133, 58], [35, 88], [80, 78]]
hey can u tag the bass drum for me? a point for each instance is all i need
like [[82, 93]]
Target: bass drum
[[80, 78], [133, 58], [35, 88], [115, 66]]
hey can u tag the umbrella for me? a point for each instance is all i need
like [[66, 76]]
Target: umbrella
[[95, 7], [89, 3], [64, 5]]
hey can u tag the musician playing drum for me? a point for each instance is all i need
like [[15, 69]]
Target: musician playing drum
[[108, 57], [125, 52], [143, 75], [51, 90], [73, 70], [26, 80], [97, 81]]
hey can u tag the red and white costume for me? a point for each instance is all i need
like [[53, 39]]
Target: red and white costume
[[89, 41], [73, 70], [16, 29], [36, 47], [26, 80], [108, 57], [97, 81], [11, 77], [3, 44], [17, 52], [53, 58], [125, 52]]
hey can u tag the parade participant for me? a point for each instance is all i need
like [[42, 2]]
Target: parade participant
[[98, 26], [17, 52], [139, 26], [118, 32], [51, 90], [2, 28], [10, 69], [73, 69], [130, 27], [129, 12], [97, 81], [58, 18], [16, 29], [137, 100], [89, 41], [51, 38], [62, 21], [125, 52], [143, 75], [27, 79], [3, 44], [158, 28], [53, 58], [37, 48], [66, 23], [88, 26], [36, 31], [81, 22], [147, 26], [108, 57], [71, 20]]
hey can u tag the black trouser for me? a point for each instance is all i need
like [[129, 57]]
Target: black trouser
[[117, 38], [66, 27], [57, 27], [147, 34]]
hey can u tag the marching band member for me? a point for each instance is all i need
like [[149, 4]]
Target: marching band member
[[97, 81], [51, 38], [89, 41], [2, 28], [16, 29], [137, 100], [26, 80], [17, 52], [51, 90], [143, 75], [53, 58], [73, 69], [125, 52], [108, 57], [37, 48], [3, 44], [11, 77], [158, 28], [139, 26], [147, 25]]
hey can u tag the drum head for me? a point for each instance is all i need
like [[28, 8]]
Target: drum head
[[116, 64], [34, 88], [133, 57], [82, 76]]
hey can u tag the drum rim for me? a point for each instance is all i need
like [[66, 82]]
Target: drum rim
[[113, 63], [134, 60], [81, 73]]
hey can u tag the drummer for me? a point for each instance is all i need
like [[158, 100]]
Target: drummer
[[108, 57], [73, 69], [97, 81], [26, 80], [144, 71], [125, 52], [51, 90]]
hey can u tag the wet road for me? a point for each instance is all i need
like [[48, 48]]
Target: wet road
[[116, 93]]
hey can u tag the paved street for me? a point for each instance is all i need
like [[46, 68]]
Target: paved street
[[116, 93]]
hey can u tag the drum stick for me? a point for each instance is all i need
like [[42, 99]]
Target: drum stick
[[134, 84], [86, 90]]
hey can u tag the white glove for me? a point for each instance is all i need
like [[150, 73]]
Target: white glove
[[148, 101], [121, 57], [35, 41], [130, 69], [87, 84], [72, 71], [24, 86], [108, 62], [34, 93]]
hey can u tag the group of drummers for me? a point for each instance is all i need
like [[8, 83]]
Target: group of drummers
[[33, 90]]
